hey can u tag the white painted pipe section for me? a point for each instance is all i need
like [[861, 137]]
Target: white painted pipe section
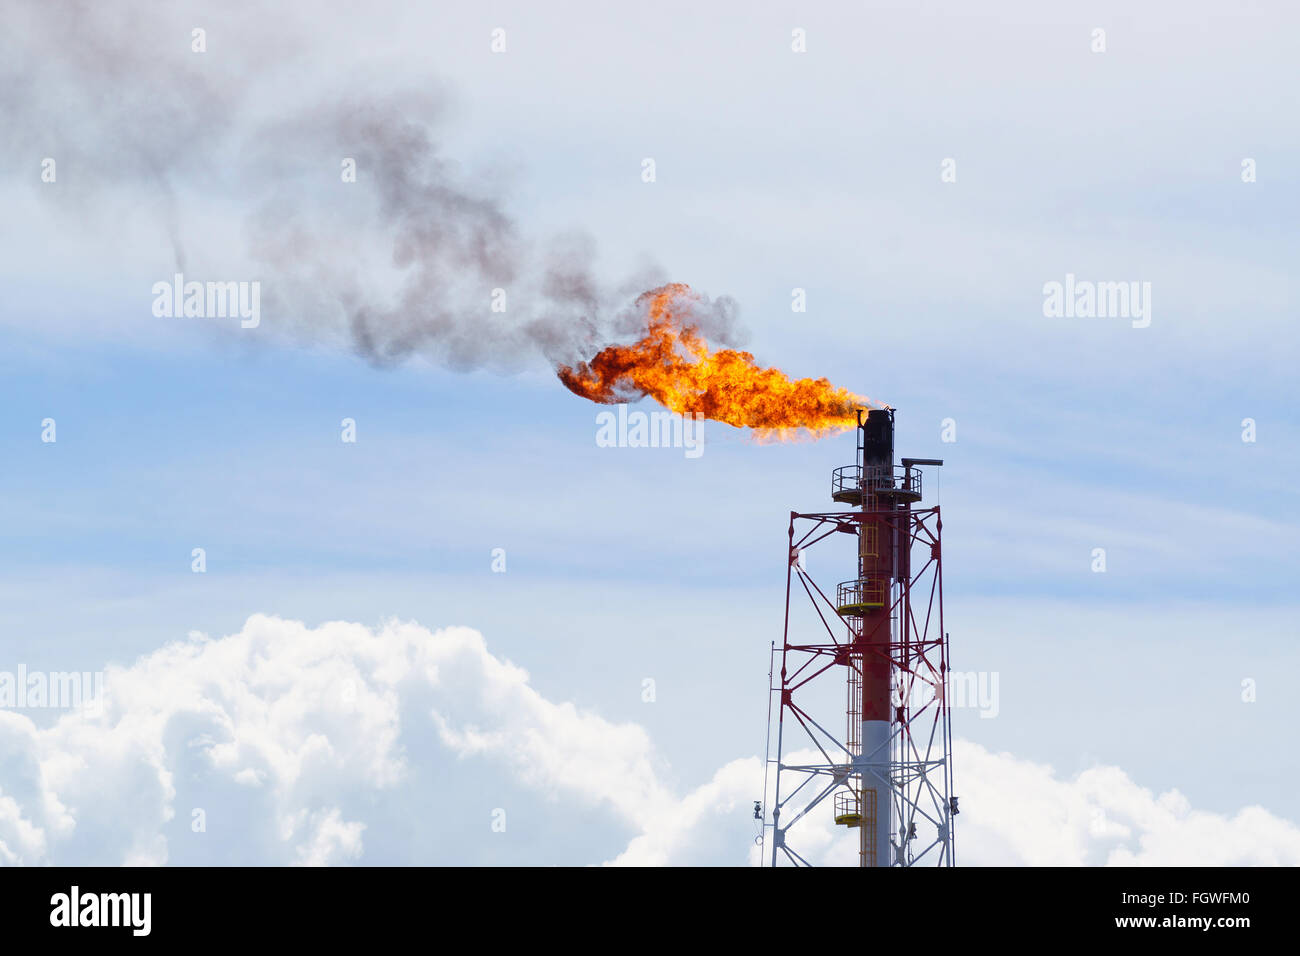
[[873, 768]]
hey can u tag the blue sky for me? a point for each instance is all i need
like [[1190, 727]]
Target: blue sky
[[775, 170]]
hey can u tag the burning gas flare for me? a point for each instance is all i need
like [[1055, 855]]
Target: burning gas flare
[[674, 365]]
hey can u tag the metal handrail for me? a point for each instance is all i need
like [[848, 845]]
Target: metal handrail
[[848, 478], [862, 591]]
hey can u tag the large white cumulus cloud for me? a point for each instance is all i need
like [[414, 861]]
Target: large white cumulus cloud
[[1020, 812], [282, 735], [291, 742]]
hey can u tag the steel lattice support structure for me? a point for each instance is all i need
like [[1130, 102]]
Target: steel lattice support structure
[[883, 769]]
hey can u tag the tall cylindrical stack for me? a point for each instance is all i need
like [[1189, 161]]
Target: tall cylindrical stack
[[871, 652]]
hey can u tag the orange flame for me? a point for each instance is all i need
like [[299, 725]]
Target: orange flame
[[674, 365]]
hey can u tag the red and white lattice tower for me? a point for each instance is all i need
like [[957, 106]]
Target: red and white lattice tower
[[885, 770]]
